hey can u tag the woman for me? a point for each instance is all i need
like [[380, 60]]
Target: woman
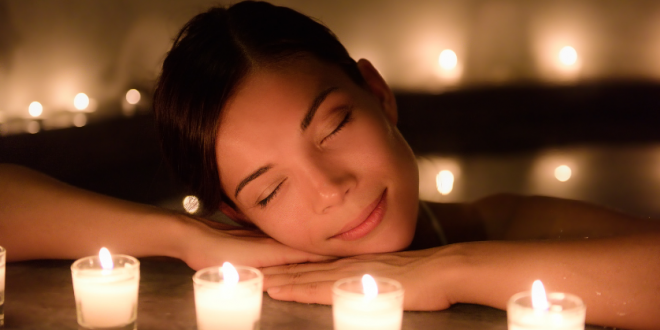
[[265, 115]]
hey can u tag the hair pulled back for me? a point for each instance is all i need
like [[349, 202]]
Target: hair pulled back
[[213, 52]]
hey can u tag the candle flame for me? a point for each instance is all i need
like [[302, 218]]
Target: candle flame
[[229, 274], [369, 287], [539, 299], [106, 259]]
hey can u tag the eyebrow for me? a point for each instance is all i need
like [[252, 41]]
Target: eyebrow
[[251, 177], [303, 126], [315, 106]]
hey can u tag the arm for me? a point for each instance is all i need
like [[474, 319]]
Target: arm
[[617, 278], [615, 274], [42, 218], [515, 217]]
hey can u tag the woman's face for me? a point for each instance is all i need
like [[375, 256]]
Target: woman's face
[[316, 161]]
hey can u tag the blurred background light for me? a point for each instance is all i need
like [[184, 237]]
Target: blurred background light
[[452, 52], [447, 59], [33, 127], [191, 204], [445, 182], [568, 56], [133, 96], [438, 178], [81, 101], [35, 109], [563, 173], [79, 120]]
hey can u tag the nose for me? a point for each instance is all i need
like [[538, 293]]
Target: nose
[[329, 184]]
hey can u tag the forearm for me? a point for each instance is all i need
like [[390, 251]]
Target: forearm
[[43, 218], [513, 217], [616, 277]]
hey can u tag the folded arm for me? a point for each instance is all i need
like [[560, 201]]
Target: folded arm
[[516, 217], [614, 270], [42, 218]]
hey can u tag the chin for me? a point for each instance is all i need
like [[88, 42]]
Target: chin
[[395, 239]]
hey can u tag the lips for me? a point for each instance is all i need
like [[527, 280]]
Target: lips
[[369, 219]]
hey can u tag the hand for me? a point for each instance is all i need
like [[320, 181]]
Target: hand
[[211, 243], [425, 276]]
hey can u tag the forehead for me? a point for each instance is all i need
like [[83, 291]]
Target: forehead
[[263, 117], [277, 92]]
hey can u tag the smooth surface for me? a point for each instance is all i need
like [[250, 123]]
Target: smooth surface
[[39, 295]]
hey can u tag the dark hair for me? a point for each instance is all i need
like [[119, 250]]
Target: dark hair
[[211, 55]]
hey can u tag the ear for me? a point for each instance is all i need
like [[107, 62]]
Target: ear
[[233, 214], [379, 88]]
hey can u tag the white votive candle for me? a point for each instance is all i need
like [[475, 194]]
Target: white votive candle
[[228, 297], [3, 257], [355, 304], [536, 311], [106, 291]]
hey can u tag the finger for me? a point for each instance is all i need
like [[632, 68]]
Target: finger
[[292, 256], [305, 277], [311, 293], [318, 263]]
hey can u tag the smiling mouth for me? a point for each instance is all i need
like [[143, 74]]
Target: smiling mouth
[[359, 228]]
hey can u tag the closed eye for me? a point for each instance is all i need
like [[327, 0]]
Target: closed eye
[[346, 120], [264, 202]]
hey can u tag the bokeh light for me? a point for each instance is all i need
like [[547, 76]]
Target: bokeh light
[[568, 56], [447, 59], [79, 120], [35, 109], [445, 182], [191, 204], [33, 127], [81, 101], [133, 96], [563, 173]]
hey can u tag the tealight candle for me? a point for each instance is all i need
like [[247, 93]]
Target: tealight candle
[[3, 254], [228, 297], [538, 311], [367, 303], [106, 290]]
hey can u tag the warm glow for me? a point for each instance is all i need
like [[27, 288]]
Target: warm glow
[[33, 127], [229, 274], [448, 59], [79, 120], [568, 56], [81, 101], [445, 182], [539, 298], [191, 204], [369, 287], [35, 109], [106, 259], [133, 96], [563, 173]]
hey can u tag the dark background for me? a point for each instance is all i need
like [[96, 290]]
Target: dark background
[[501, 122]]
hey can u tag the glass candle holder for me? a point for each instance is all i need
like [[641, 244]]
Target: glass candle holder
[[351, 309], [565, 312], [106, 298], [3, 256], [235, 306]]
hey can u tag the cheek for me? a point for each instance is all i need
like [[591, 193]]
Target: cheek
[[382, 148], [288, 222]]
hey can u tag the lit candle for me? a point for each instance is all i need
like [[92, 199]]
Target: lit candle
[[228, 297], [538, 311], [367, 303], [3, 254], [106, 290]]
